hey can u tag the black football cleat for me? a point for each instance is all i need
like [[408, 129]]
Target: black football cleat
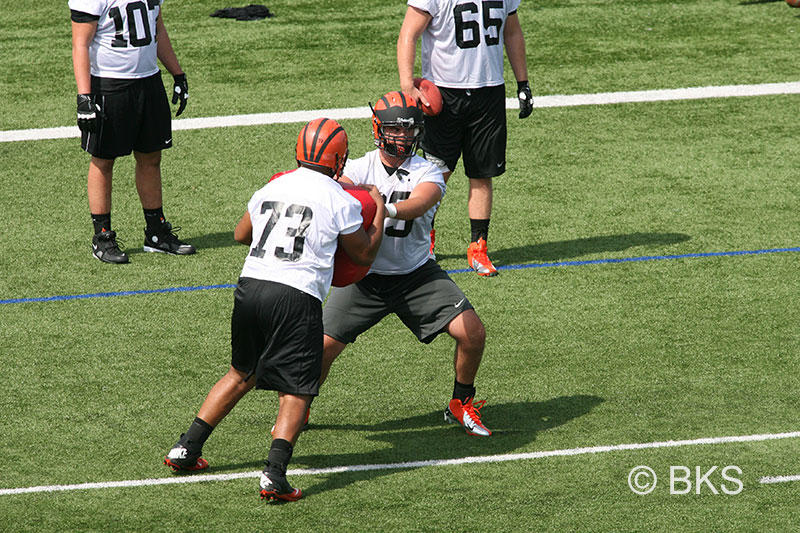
[[180, 459], [275, 487], [106, 248], [165, 241]]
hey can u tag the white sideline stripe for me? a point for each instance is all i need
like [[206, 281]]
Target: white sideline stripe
[[779, 479], [556, 100], [413, 464]]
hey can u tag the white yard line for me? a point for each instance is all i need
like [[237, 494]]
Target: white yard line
[[778, 479], [556, 100], [413, 464]]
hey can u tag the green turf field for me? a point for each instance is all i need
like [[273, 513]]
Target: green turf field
[[589, 354]]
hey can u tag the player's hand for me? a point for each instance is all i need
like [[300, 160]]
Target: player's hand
[[88, 113], [180, 91], [375, 194], [525, 99], [419, 96]]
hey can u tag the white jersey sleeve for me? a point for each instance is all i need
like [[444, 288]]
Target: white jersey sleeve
[[406, 243], [297, 219], [462, 46], [124, 45]]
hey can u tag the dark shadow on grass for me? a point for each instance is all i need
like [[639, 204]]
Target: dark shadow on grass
[[754, 2], [427, 437], [561, 250], [220, 239]]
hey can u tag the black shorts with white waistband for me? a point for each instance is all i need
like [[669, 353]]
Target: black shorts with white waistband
[[472, 125], [135, 117], [276, 335]]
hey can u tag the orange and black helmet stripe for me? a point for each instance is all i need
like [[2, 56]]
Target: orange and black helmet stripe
[[322, 143], [315, 157], [390, 99]]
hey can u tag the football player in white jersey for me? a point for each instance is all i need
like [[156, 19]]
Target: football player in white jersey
[[462, 53], [405, 279], [123, 108], [293, 225]]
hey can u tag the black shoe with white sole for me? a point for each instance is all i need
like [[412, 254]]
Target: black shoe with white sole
[[164, 240], [106, 248]]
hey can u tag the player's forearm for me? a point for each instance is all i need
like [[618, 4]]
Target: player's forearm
[[375, 234], [412, 208], [515, 48], [80, 65], [82, 34], [414, 24], [406, 53], [166, 54], [243, 232]]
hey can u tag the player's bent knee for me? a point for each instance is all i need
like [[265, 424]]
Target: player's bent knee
[[468, 330]]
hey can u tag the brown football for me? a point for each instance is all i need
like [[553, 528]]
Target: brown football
[[431, 92]]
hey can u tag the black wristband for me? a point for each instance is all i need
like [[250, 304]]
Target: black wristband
[[522, 85], [179, 77], [84, 98]]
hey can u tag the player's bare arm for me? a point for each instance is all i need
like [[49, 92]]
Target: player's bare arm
[[414, 23], [82, 35], [422, 198], [362, 246], [165, 52], [515, 47], [243, 232]]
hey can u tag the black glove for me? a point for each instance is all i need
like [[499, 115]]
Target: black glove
[[180, 91], [525, 99], [87, 113]]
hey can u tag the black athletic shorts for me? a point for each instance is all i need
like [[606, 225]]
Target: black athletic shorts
[[137, 117], [472, 124], [276, 334], [426, 301]]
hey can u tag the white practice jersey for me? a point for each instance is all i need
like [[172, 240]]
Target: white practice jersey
[[297, 218], [124, 45], [462, 46], [406, 243]]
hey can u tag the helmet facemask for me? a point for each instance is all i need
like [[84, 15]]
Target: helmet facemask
[[397, 124], [403, 143]]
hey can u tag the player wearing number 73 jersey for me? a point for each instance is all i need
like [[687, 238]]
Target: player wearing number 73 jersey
[[292, 225]]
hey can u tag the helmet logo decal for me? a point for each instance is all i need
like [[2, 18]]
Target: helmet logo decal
[[327, 142]]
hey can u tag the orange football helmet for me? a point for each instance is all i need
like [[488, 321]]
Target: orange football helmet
[[323, 146], [397, 110]]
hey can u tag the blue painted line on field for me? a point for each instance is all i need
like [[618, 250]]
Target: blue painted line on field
[[635, 259], [456, 271], [118, 293]]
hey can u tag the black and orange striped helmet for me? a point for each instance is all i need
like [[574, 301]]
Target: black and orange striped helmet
[[393, 111], [322, 146]]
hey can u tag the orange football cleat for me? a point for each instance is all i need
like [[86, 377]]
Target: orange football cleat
[[478, 260], [467, 414]]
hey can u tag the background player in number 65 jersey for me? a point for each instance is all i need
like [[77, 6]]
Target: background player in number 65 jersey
[[462, 53]]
